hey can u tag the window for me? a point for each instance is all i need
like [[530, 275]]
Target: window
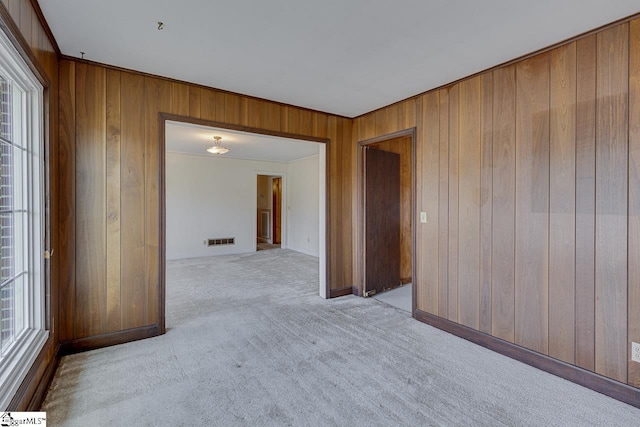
[[22, 314]]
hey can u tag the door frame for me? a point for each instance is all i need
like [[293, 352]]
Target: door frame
[[361, 211], [325, 196], [283, 215]]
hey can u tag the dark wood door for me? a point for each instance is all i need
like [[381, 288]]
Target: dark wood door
[[382, 220]]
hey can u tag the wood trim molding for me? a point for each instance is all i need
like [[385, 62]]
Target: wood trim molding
[[575, 374], [162, 220], [45, 26], [107, 340], [32, 390], [340, 292], [162, 119]]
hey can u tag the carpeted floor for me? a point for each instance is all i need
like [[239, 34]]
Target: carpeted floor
[[251, 344], [266, 246]]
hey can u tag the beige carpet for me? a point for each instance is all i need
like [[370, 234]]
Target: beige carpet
[[251, 344], [266, 246]]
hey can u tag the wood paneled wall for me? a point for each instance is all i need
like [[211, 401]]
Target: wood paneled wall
[[109, 132], [530, 176], [43, 51]]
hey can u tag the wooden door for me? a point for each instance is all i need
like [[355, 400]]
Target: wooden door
[[277, 210], [382, 220]]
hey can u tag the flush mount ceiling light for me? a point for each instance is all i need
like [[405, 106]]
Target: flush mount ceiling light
[[217, 148]]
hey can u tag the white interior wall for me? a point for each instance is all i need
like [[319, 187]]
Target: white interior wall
[[303, 207], [209, 197]]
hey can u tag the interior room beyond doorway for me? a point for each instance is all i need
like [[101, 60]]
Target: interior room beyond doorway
[[269, 218]]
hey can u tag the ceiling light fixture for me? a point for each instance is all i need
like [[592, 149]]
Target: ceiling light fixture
[[217, 148]]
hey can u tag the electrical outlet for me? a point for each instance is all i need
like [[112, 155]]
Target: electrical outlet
[[635, 352]]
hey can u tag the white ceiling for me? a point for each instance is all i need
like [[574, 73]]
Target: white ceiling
[[345, 57], [195, 139]]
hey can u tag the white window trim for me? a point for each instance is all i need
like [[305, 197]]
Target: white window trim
[[15, 366]]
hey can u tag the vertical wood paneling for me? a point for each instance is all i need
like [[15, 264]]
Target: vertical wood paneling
[[585, 201], [634, 196], [381, 125], [355, 201], [284, 118], [293, 120], [562, 203], [420, 290], [503, 204], [220, 105], [320, 129], [428, 164], [532, 203], [180, 99], [611, 202], [274, 112], [157, 97], [469, 203], [231, 109], [67, 199], [346, 244], [36, 35], [14, 10], [132, 200], [541, 224], [257, 113], [486, 195], [26, 19], [194, 102], [335, 127], [391, 118], [431, 173], [408, 113], [305, 122], [452, 297], [113, 201], [443, 203], [91, 292], [369, 126], [207, 104], [332, 187]]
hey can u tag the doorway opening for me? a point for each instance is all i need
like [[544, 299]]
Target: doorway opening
[[208, 202], [269, 216], [387, 219]]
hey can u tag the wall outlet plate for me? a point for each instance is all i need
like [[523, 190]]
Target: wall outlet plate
[[635, 352]]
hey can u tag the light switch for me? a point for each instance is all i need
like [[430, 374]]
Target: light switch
[[423, 217]]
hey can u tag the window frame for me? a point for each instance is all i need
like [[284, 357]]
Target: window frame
[[16, 364]]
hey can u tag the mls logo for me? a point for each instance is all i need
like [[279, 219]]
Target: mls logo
[[10, 419], [6, 420]]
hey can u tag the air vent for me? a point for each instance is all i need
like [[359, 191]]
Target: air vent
[[219, 241]]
